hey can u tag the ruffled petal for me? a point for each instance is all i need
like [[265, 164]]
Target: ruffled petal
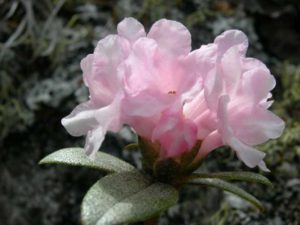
[[255, 126], [202, 60], [146, 85], [142, 87], [249, 155], [145, 104], [104, 78], [87, 119], [131, 29], [231, 70], [141, 66], [232, 38], [257, 84], [213, 89], [252, 63], [175, 134], [171, 36], [110, 116], [81, 120]]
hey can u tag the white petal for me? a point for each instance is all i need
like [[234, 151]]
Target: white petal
[[94, 122], [81, 120], [94, 140], [249, 155], [262, 165]]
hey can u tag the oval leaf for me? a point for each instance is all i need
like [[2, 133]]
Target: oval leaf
[[125, 197], [240, 176], [221, 184], [77, 157]]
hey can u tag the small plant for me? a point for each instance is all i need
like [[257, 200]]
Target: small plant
[[182, 104]]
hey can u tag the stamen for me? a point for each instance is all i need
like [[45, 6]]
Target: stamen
[[172, 93]]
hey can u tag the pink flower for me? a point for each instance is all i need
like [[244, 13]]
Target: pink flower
[[159, 73], [170, 95], [233, 107]]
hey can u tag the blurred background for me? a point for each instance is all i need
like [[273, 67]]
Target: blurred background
[[41, 45]]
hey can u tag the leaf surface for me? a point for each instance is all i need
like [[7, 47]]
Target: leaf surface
[[77, 157], [239, 176], [125, 197], [226, 186]]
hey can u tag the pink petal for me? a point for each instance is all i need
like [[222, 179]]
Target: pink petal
[[256, 84], [196, 106], [143, 126], [175, 134], [171, 36], [145, 104], [213, 88], [86, 65], [232, 38], [231, 70], [131, 29], [249, 155], [104, 78], [141, 66], [256, 125], [151, 79], [252, 63], [202, 60], [210, 143], [206, 123], [144, 91]]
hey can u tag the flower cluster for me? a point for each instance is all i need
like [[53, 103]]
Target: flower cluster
[[176, 97]]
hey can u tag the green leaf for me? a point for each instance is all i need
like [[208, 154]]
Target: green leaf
[[240, 176], [125, 197], [77, 157], [226, 186]]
